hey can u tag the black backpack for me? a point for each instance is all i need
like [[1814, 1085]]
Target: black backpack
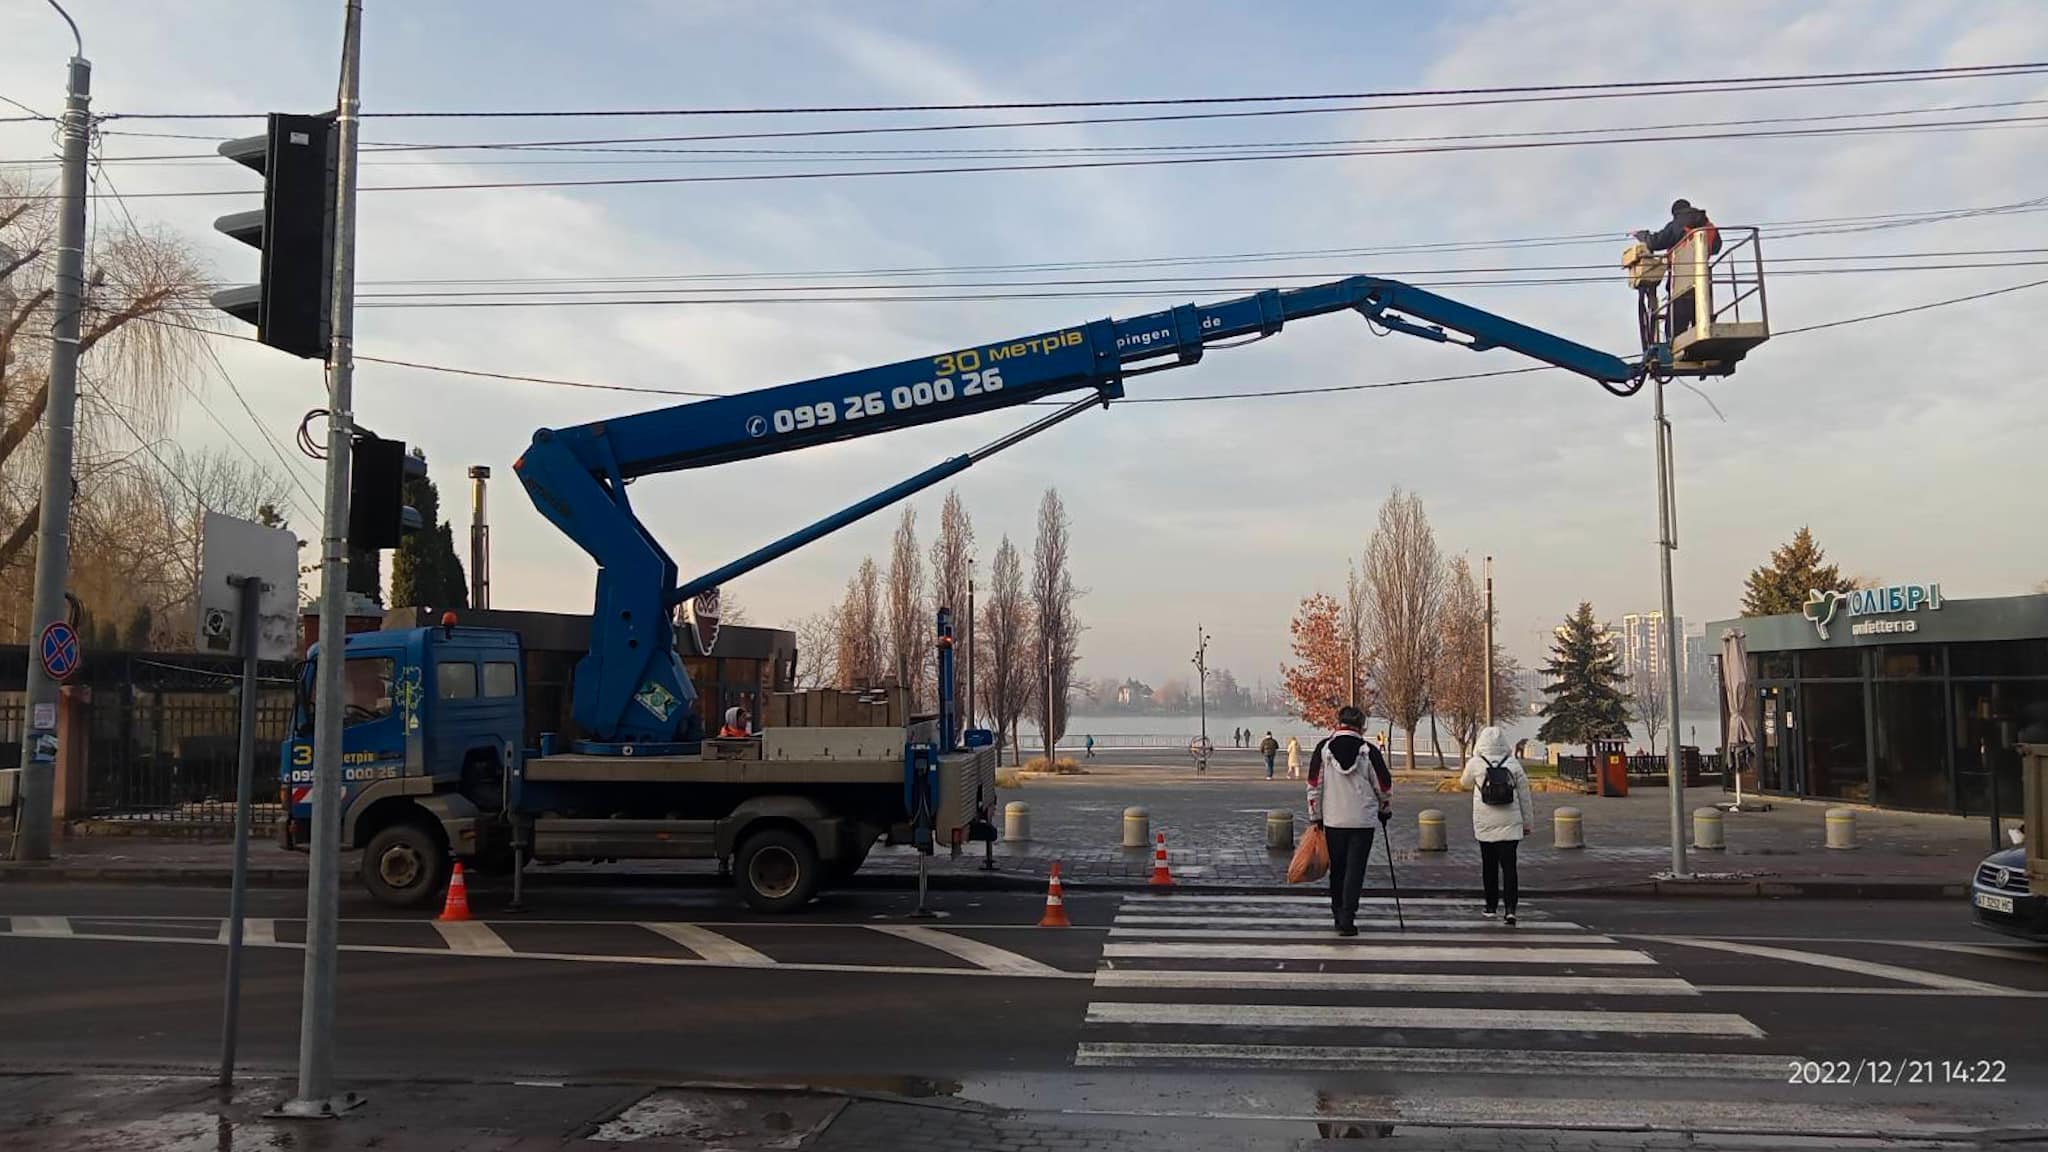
[[1498, 788]]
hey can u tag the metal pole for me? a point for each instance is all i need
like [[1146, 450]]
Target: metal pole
[[53, 533], [479, 539], [1667, 543], [970, 660], [1202, 694], [1488, 662], [245, 772], [316, 1013]]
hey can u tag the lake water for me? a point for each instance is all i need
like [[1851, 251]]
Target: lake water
[[1702, 728]]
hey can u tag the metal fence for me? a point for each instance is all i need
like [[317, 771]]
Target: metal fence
[[162, 732]]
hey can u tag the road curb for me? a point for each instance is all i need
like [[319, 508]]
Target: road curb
[[1818, 888]]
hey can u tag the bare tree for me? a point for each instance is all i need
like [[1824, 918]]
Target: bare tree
[[1359, 656], [909, 630], [1058, 631], [857, 661], [1004, 636], [1461, 689], [1404, 582], [1646, 702], [817, 648], [952, 568], [131, 357]]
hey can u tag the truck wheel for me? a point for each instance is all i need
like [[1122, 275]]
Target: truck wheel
[[777, 870], [404, 866]]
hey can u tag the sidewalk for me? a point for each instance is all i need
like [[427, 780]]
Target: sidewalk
[[1215, 829], [162, 1113]]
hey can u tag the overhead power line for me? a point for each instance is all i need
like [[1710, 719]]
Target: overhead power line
[[1888, 74], [1160, 161]]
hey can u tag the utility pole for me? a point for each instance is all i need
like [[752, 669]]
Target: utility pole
[[970, 656], [479, 539], [1487, 663], [1667, 543], [1201, 663], [60, 417], [316, 1015]]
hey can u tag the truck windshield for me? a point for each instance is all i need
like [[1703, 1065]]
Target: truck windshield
[[365, 691]]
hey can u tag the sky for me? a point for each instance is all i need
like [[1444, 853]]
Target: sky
[[1910, 445]]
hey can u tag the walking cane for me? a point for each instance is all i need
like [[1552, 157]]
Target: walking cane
[[1389, 838]]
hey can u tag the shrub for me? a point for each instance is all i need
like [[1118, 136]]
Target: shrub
[[1009, 778], [1060, 767]]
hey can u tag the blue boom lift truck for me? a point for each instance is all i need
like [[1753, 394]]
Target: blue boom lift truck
[[437, 764]]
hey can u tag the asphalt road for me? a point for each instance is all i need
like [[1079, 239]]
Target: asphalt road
[[1677, 1013]]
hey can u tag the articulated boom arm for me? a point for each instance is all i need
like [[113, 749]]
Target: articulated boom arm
[[631, 690]]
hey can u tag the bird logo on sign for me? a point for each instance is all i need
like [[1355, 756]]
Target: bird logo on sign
[[701, 615]]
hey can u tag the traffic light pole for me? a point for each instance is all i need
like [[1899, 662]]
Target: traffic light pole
[[1667, 543], [53, 533], [316, 1017]]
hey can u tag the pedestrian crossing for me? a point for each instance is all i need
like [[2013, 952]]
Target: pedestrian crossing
[[1262, 982]]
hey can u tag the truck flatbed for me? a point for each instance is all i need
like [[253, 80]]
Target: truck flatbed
[[699, 770]]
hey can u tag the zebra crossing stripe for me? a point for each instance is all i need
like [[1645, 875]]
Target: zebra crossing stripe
[[975, 952], [1320, 899], [1480, 1061], [709, 945], [471, 938], [1375, 953], [1396, 982], [1271, 1016], [1312, 931], [256, 931], [1248, 918], [40, 925]]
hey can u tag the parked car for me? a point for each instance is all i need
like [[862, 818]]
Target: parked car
[[2001, 899]]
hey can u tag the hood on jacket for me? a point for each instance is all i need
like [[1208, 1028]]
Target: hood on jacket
[[732, 717], [1493, 745]]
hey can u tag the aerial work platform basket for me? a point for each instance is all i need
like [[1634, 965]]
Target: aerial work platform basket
[[1701, 311]]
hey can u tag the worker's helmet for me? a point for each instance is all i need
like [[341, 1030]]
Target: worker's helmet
[[1680, 205]]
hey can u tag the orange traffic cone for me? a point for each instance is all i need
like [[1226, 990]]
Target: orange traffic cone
[[457, 905], [1055, 903], [1161, 878]]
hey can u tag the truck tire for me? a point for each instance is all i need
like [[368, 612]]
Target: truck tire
[[404, 865], [777, 870]]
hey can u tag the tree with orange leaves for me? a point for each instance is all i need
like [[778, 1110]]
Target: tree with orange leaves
[[1319, 681]]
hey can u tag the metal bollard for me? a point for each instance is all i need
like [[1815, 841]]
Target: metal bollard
[[1137, 828], [1017, 822], [1706, 829], [1841, 827], [1566, 830], [1429, 831], [1279, 830]]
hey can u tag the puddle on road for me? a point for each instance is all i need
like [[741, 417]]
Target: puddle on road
[[735, 1121], [199, 1132]]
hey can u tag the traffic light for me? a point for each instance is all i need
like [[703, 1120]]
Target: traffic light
[[378, 516], [294, 230]]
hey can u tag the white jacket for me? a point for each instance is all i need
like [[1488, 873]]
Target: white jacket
[[1349, 794], [1494, 822]]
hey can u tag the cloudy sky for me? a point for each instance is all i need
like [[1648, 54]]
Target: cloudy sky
[[1910, 445]]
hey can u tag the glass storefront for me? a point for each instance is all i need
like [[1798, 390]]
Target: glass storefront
[[1831, 739]]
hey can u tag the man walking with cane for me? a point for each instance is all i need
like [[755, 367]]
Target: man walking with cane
[[1349, 791]]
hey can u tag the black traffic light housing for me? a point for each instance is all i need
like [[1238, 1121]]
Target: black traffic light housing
[[294, 230], [378, 516]]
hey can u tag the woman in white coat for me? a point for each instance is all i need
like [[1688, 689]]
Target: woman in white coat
[[1502, 814]]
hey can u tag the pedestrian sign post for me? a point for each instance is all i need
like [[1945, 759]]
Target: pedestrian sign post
[[59, 651]]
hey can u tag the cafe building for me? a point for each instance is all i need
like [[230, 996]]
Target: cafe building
[[1895, 696]]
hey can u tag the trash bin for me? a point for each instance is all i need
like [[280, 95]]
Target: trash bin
[[1610, 767]]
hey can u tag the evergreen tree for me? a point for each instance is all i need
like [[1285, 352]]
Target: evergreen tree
[[1584, 681], [365, 574], [1795, 570], [425, 571]]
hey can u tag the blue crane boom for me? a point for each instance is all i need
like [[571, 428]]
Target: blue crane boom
[[630, 691]]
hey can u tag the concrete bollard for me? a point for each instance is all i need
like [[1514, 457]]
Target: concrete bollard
[[1706, 829], [1566, 830], [1279, 830], [1429, 831], [1841, 827], [1017, 822], [1137, 828]]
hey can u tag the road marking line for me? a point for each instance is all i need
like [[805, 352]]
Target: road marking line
[[1261, 917], [1483, 1061], [710, 945], [973, 951], [1399, 982], [1838, 963], [1374, 926], [2017, 950], [1373, 953], [1808, 989], [472, 938], [1324, 900], [1631, 1117], [255, 930], [41, 925], [1269, 1016], [593, 958]]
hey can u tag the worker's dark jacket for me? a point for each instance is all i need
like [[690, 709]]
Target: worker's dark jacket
[[1668, 237]]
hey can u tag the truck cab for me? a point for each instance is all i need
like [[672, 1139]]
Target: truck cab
[[430, 749]]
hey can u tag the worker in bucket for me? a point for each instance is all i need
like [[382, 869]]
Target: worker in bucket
[[1685, 220], [736, 725]]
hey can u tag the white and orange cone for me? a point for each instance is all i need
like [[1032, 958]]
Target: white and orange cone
[[456, 907], [1161, 877], [1055, 903]]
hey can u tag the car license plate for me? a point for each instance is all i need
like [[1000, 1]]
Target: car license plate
[[1992, 903]]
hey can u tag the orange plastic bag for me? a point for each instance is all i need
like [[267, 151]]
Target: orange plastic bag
[[1311, 857]]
